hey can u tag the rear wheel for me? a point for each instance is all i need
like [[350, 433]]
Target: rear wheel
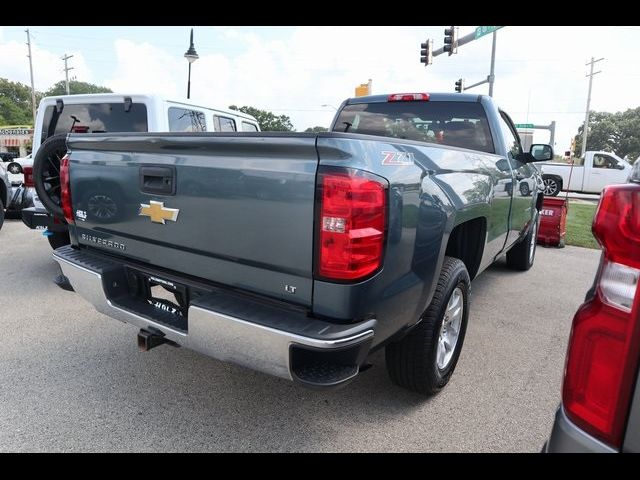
[[424, 360], [46, 173], [59, 239]]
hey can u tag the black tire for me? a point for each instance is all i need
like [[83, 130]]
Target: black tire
[[14, 168], [412, 360], [551, 186], [46, 173], [521, 257], [59, 239], [525, 191], [1, 214]]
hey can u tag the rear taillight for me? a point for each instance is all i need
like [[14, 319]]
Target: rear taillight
[[604, 347], [65, 189], [351, 224], [28, 176], [408, 97]]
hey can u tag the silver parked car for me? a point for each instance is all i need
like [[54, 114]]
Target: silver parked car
[[600, 409]]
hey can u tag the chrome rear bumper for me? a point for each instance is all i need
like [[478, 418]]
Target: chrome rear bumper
[[336, 351]]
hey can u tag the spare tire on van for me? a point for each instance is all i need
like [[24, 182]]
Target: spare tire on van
[[46, 173]]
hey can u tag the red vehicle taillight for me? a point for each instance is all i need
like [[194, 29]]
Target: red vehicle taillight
[[28, 176], [65, 190], [604, 347], [352, 222]]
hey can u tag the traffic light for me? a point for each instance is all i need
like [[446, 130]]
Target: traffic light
[[450, 40], [426, 54], [460, 85]]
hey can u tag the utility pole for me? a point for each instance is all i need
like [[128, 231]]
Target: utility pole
[[586, 116], [66, 71], [33, 90]]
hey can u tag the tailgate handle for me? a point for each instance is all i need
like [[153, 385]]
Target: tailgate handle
[[158, 180]]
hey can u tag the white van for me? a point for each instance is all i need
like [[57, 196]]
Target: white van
[[116, 112]]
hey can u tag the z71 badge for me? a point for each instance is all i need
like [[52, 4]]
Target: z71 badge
[[398, 158]]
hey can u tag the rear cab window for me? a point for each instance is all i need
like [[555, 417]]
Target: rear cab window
[[456, 124], [94, 118]]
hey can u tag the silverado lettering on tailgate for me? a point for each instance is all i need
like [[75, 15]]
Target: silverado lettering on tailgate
[[103, 241]]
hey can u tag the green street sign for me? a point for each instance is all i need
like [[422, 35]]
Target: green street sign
[[482, 31], [524, 125]]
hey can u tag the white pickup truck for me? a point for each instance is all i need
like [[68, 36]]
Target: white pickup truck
[[591, 173]]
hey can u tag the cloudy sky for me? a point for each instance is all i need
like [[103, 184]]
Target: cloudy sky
[[540, 71]]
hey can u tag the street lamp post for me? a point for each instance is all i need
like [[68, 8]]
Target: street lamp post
[[191, 57]]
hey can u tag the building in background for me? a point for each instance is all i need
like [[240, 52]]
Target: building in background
[[16, 139]]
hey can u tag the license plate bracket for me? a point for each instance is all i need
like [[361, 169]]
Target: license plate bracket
[[167, 296]]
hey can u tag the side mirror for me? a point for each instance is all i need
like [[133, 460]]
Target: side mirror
[[619, 166], [541, 152]]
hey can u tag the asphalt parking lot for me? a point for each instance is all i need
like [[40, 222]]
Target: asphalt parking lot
[[73, 380]]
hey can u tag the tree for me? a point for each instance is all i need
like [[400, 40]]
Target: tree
[[15, 103], [613, 132], [268, 121], [316, 130], [75, 88], [628, 140]]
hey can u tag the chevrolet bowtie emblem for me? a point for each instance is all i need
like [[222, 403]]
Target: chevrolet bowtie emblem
[[157, 212]]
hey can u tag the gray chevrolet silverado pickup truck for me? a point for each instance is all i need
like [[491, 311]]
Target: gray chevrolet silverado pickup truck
[[300, 254]]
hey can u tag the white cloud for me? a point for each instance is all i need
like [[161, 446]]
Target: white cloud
[[48, 67], [141, 68]]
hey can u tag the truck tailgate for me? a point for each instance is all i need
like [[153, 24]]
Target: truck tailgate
[[232, 209]]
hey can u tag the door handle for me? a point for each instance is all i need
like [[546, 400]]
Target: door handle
[[158, 180]]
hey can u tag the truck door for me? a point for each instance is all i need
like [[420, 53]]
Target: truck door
[[606, 170], [523, 184]]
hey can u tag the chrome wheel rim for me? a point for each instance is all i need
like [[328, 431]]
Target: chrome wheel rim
[[450, 329], [532, 242], [550, 186]]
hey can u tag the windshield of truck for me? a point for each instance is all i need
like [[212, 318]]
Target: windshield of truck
[[94, 118], [456, 124]]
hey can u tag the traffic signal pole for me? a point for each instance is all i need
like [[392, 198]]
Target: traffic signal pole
[[492, 77], [451, 46], [461, 41]]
